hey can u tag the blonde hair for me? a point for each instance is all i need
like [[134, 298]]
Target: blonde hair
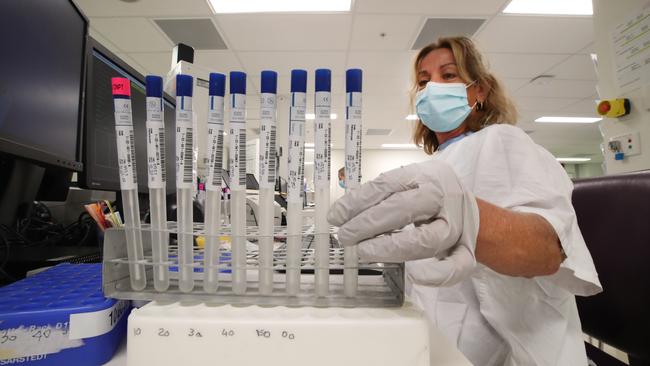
[[497, 106]]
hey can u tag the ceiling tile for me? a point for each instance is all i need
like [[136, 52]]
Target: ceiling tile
[[384, 32], [148, 8], [513, 65], [132, 34], [536, 34], [512, 84], [396, 64], [425, 7], [285, 32], [157, 63], [284, 62], [542, 105], [576, 67], [584, 108], [218, 61], [559, 89]]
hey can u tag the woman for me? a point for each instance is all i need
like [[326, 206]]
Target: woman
[[496, 255]]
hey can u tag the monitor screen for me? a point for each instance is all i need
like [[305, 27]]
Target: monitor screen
[[100, 150], [42, 67]]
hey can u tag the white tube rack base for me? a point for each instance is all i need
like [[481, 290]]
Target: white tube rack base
[[379, 284]]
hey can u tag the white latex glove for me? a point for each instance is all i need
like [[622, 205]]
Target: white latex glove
[[429, 195]]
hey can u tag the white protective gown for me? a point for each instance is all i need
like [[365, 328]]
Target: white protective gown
[[501, 320]]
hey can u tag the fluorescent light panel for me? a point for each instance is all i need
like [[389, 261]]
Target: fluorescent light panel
[[273, 6], [411, 117], [568, 119], [572, 160], [550, 7], [398, 146]]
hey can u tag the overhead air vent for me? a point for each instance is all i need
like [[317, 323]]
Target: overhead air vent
[[435, 28], [201, 34], [378, 131]]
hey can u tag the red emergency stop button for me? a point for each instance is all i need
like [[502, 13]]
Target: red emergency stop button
[[604, 107]]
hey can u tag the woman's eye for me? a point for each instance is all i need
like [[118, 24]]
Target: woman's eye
[[449, 76], [422, 83]]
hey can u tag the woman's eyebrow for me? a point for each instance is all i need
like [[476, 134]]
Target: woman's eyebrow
[[423, 73], [447, 64]]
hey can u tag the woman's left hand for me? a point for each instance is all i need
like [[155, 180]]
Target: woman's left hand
[[429, 195]]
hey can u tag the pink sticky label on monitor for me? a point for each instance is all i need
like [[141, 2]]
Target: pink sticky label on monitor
[[121, 86]]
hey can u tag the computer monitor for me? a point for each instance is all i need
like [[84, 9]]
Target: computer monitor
[[251, 182], [99, 148], [41, 97]]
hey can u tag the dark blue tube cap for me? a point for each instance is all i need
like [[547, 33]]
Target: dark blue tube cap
[[184, 85], [154, 86], [298, 81], [217, 84], [353, 78], [269, 82], [237, 82], [323, 80]]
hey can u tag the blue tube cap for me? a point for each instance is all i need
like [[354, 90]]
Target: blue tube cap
[[237, 82], [269, 82], [184, 85], [324, 80], [298, 81], [353, 79], [154, 85], [217, 84]]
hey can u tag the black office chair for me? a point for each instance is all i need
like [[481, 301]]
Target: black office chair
[[614, 217]]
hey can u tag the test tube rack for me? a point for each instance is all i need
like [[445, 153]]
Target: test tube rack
[[379, 284]]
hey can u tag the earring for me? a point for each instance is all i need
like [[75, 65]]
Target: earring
[[479, 106]]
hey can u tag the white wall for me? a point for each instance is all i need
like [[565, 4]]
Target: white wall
[[373, 163], [608, 14]]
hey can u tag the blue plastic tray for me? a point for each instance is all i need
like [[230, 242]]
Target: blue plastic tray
[[60, 317]]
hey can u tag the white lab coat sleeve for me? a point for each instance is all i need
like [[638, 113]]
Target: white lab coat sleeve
[[515, 173]]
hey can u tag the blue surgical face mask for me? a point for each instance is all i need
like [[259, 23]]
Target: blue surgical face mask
[[442, 107], [342, 184]]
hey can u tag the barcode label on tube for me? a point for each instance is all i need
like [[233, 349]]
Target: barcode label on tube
[[322, 139], [215, 141], [156, 154], [238, 142], [184, 156], [267, 141], [353, 145], [126, 157]]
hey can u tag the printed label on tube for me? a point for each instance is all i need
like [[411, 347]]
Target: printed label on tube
[[155, 144], [353, 141], [238, 142], [125, 144], [267, 140], [322, 137], [184, 143], [215, 143], [296, 147]]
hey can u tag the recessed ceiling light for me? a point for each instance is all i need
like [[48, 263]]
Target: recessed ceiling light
[[399, 146], [572, 160], [333, 116], [568, 119], [268, 6], [411, 117], [550, 7]]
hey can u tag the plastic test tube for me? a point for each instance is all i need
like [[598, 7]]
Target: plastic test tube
[[157, 181], [322, 138], [217, 89], [353, 78], [295, 184], [267, 179], [238, 179], [128, 180], [184, 181]]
